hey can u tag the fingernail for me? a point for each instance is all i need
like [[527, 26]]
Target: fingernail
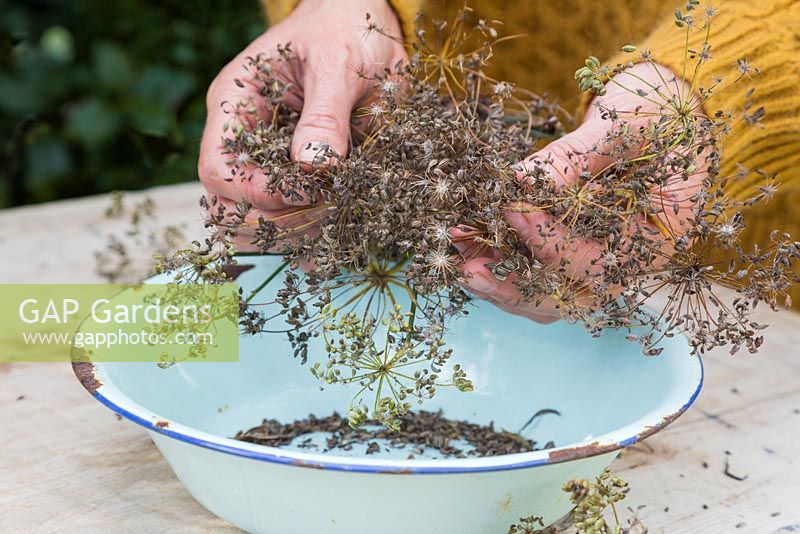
[[480, 283], [517, 221], [315, 153]]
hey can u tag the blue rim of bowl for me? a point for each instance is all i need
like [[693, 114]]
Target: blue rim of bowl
[[556, 455]]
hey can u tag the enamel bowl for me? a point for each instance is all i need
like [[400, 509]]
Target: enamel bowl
[[608, 394]]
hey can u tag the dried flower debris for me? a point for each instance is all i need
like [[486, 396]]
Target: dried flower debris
[[430, 180]]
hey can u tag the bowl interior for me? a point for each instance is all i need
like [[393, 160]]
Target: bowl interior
[[602, 387]]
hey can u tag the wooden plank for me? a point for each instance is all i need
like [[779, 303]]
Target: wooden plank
[[69, 464], [55, 242]]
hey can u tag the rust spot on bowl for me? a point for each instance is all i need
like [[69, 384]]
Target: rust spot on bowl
[[303, 463], [650, 430], [595, 448], [407, 471], [582, 451], [313, 465], [162, 424], [85, 373]]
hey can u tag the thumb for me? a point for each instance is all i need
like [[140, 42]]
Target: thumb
[[325, 119], [584, 150]]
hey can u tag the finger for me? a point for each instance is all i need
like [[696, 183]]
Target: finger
[[551, 242], [219, 178], [330, 90], [464, 239], [217, 171], [545, 317], [224, 209], [506, 295], [292, 223], [675, 199], [479, 280], [583, 151], [372, 110]]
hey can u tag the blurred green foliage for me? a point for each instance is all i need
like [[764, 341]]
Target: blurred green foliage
[[98, 95]]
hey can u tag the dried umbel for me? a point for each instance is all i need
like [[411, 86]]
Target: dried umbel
[[128, 256], [430, 181], [530, 525], [596, 510], [592, 499]]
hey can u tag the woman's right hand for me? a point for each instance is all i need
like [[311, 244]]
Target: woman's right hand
[[330, 41]]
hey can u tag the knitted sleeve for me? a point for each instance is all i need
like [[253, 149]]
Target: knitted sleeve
[[277, 10], [766, 33], [406, 10]]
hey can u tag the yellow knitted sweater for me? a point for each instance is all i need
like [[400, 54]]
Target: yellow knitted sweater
[[560, 35]]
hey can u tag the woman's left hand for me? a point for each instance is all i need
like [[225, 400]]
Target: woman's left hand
[[578, 152]]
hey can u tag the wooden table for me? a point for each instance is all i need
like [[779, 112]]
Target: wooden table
[[69, 464]]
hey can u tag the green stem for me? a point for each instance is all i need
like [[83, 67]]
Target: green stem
[[413, 313], [248, 254], [378, 396]]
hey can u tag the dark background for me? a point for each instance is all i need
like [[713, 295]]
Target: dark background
[[97, 95]]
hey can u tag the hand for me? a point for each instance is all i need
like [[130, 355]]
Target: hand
[[330, 42], [581, 151]]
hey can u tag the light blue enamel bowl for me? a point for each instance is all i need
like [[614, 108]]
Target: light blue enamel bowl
[[608, 394]]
